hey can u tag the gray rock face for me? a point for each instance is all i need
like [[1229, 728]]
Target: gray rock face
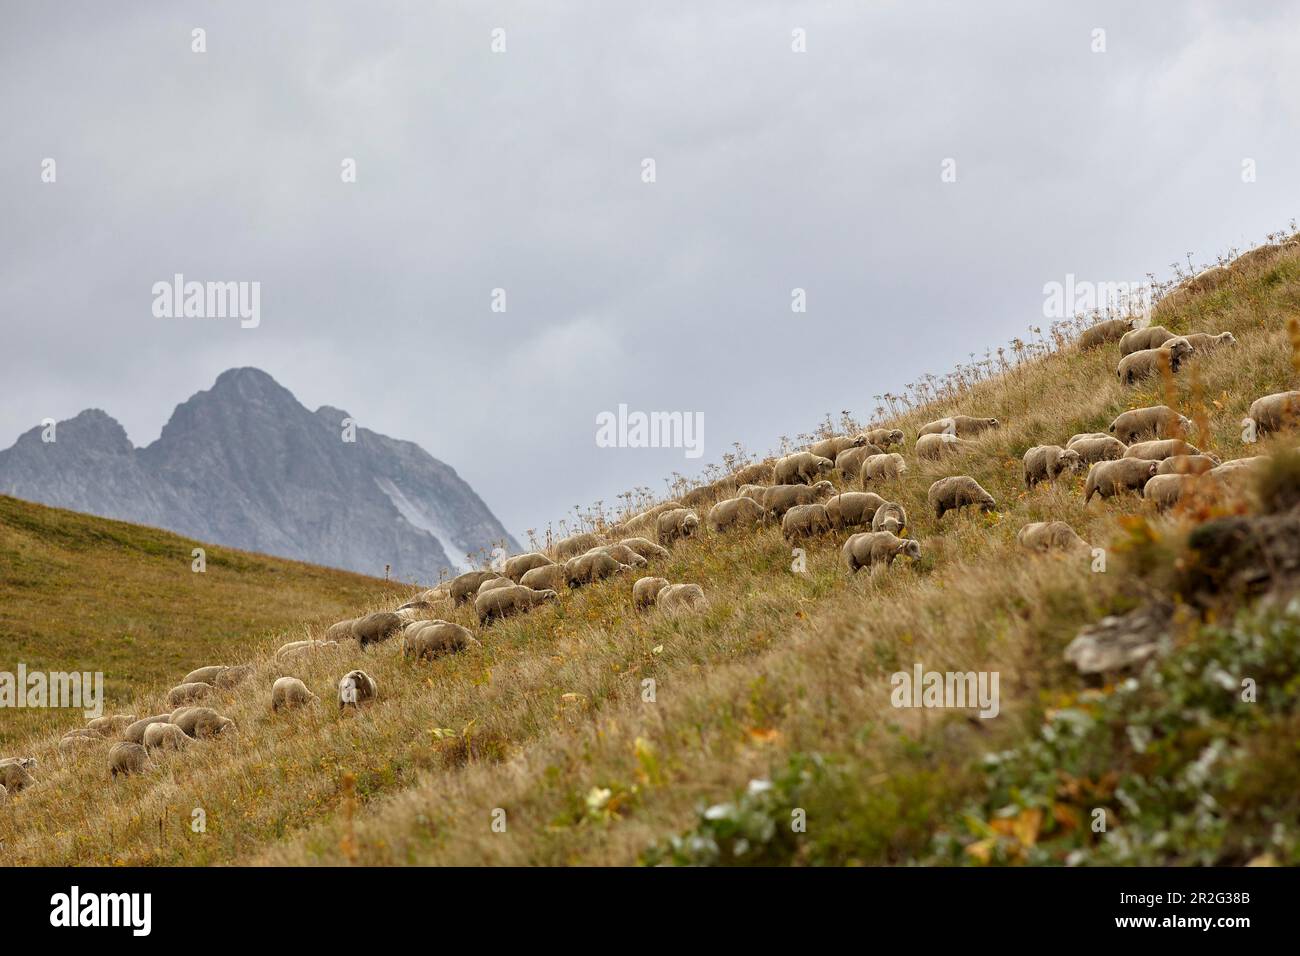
[[244, 464]]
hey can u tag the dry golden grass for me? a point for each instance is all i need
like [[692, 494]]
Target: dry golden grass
[[550, 710]]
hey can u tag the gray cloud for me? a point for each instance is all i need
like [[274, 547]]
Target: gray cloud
[[521, 171]]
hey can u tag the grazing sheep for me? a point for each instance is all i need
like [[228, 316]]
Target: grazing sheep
[[1092, 450], [1203, 342], [491, 584], [680, 597], [290, 692], [645, 521], [802, 468], [1081, 436], [867, 548], [521, 564], [204, 675], [849, 462], [1049, 536], [885, 436], [376, 627], [742, 513], [411, 610], [852, 509], [188, 693], [1108, 331], [891, 517], [1274, 412], [357, 688], [162, 736], [676, 524], [706, 493], [1139, 365], [233, 676], [339, 632], [504, 602], [1048, 462], [804, 521], [595, 566], [293, 649], [576, 544], [759, 473], [551, 577], [1160, 449], [1166, 490], [75, 740], [108, 726], [888, 467], [963, 426], [464, 587], [1148, 337], [1238, 473], [127, 758], [779, 499], [1107, 478], [435, 639], [646, 590], [202, 723], [831, 447], [646, 548], [1155, 421], [1187, 464], [14, 775], [934, 446], [752, 491], [135, 732], [959, 491], [622, 554]]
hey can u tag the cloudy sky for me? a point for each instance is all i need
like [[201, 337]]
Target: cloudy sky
[[522, 170]]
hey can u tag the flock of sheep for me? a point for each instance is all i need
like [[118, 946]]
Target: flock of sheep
[[1144, 451]]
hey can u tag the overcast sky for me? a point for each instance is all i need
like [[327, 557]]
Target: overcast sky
[[522, 170]]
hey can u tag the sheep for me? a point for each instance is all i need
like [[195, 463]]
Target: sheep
[[504, 602], [435, 639], [804, 521], [1048, 462], [1148, 337], [680, 597], [1274, 412], [575, 544], [1187, 464], [887, 467], [752, 491], [202, 723], [289, 692], [1155, 421], [646, 548], [852, 509], [492, 584], [521, 564], [868, 548], [1107, 478], [1108, 331], [884, 437], [287, 652], [802, 468], [646, 590], [15, 775], [759, 473], [188, 693], [1160, 449], [676, 524], [204, 675], [959, 491], [107, 726], [551, 577], [830, 447], [1101, 448], [75, 740], [934, 446], [161, 736], [742, 513], [1203, 342], [339, 631], [707, 493], [960, 425], [135, 732], [891, 517], [622, 554], [645, 521], [1238, 473], [849, 462], [127, 758], [779, 499], [1166, 490], [357, 688], [1049, 536], [1136, 366], [233, 676], [587, 568], [1082, 436], [377, 627], [464, 587]]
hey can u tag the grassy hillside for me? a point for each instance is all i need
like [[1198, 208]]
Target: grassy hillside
[[783, 679], [89, 594]]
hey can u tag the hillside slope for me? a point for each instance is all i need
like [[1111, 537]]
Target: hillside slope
[[89, 594], [551, 727]]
